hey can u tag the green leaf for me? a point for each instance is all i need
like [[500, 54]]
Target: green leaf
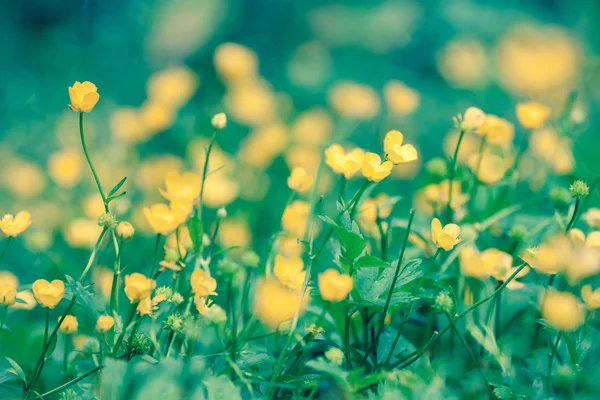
[[221, 388], [369, 261], [352, 241], [373, 287], [85, 299], [116, 196], [196, 232], [339, 375], [17, 368], [116, 188]]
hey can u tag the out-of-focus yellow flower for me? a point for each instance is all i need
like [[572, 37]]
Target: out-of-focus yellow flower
[[84, 96], [289, 246], [8, 278], [152, 172], [202, 284], [375, 170], [164, 219], [470, 144], [562, 310], [533, 114], [126, 124], [82, 232], [496, 130], [444, 238], [252, 102], [93, 206], [592, 217], [180, 240], [334, 286], [48, 294], [433, 197], [8, 294], [27, 300], [69, 324], [183, 187], [138, 287], [312, 127], [275, 303], [490, 169], [536, 61], [103, 279], [202, 304], [471, 263], [125, 230], [155, 117], [294, 219], [104, 323], [553, 149], [400, 99], [353, 100], [23, 179], [289, 271], [590, 298], [473, 119], [13, 226], [371, 208], [65, 167], [263, 145], [234, 232], [234, 61], [344, 163], [145, 307], [173, 86], [395, 151], [299, 180], [464, 63]]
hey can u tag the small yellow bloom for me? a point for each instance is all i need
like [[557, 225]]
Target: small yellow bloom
[[533, 114], [563, 311], [164, 219], [275, 303], [289, 271], [69, 324], [353, 100], [590, 298], [203, 285], [65, 167], [8, 294], [84, 96], [235, 62], [342, 162], [473, 119], [299, 180], [145, 307], [334, 286], [105, 323], [125, 230], [375, 170], [592, 217], [138, 287], [183, 187], [496, 130], [295, 217], [395, 151], [173, 86], [444, 238], [15, 225], [48, 294], [400, 99], [202, 304]]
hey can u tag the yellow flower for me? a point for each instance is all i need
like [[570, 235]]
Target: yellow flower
[[104, 323], [444, 238], [342, 162], [533, 114], [554, 149], [145, 307], [8, 278], [138, 287], [27, 300], [15, 225], [219, 121], [275, 303], [48, 294], [181, 187], [8, 294], [295, 217], [592, 217], [433, 197], [400, 99], [155, 117], [395, 151], [473, 119], [203, 285], [353, 100], [490, 169], [590, 298], [173, 86], [65, 167], [289, 246], [82, 232], [299, 180], [84, 96], [125, 230], [471, 263], [464, 63], [334, 286], [234, 62], [202, 304], [496, 130], [289, 271], [234, 232], [375, 170], [164, 219], [69, 324], [562, 310]]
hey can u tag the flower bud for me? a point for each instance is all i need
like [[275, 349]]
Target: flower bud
[[472, 119], [141, 344], [177, 298], [219, 121], [108, 221], [250, 259], [518, 232], [125, 230], [172, 255], [173, 322], [227, 266], [69, 324], [104, 323], [579, 189], [164, 292], [334, 356], [443, 303], [222, 213], [560, 197]]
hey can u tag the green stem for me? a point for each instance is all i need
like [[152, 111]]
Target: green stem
[[475, 185], [66, 357], [89, 161], [92, 256], [169, 344], [114, 290], [551, 359], [6, 243], [3, 316], [347, 337], [154, 271], [71, 382], [205, 172], [573, 217], [122, 335], [233, 317], [452, 175], [134, 330]]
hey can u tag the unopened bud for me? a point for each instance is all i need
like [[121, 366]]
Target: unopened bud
[[472, 119], [219, 121], [579, 189], [125, 230], [108, 221], [334, 356], [443, 302]]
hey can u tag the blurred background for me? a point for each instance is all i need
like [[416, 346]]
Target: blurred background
[[291, 76]]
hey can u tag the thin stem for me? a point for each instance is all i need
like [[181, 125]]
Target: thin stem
[[347, 337], [475, 185], [205, 172], [122, 335], [66, 357], [89, 161], [71, 382], [169, 344], [233, 317], [551, 359], [134, 330], [154, 271], [452, 175], [6, 243], [572, 220], [92, 256]]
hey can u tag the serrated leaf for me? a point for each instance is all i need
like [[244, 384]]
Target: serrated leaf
[[116, 188], [85, 299], [369, 261], [353, 243], [373, 286]]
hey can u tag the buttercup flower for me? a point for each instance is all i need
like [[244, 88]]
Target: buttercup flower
[[533, 114], [590, 298], [275, 303], [299, 180], [164, 219], [69, 324], [183, 187], [496, 130], [342, 162], [48, 294], [375, 170], [444, 238], [395, 151], [563, 311], [138, 287], [289, 271], [8, 294], [592, 217], [334, 286], [294, 218], [104, 323], [203, 285], [400, 99], [84, 96], [125, 230], [473, 119], [15, 225]]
